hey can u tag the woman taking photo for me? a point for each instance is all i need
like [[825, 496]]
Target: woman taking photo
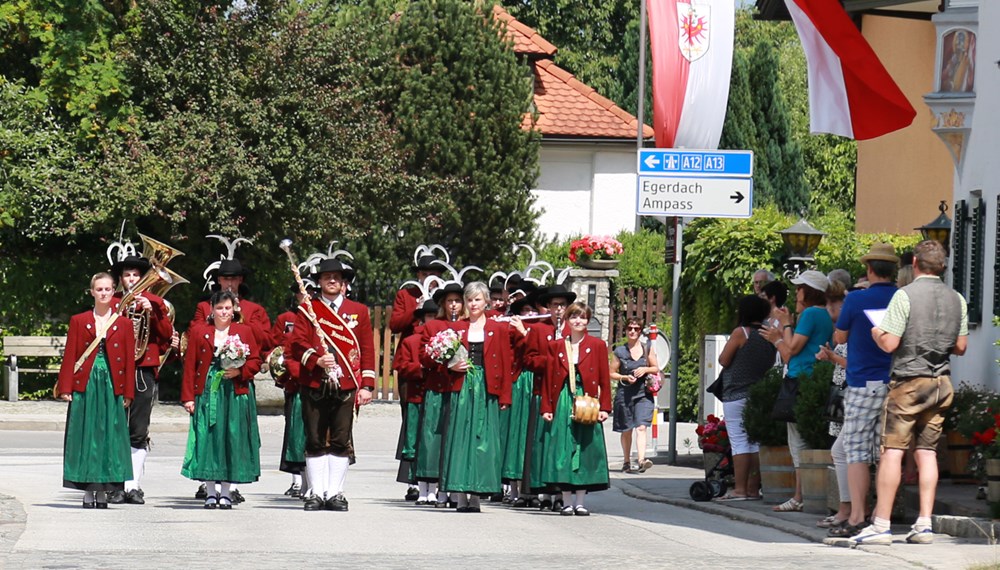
[[630, 364], [798, 345], [745, 359], [97, 378], [473, 455], [223, 442], [575, 459]]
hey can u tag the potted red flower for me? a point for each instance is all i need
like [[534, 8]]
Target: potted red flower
[[595, 252]]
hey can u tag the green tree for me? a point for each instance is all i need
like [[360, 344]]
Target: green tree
[[458, 97]]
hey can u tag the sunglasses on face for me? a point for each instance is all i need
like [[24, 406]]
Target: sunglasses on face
[[633, 328]]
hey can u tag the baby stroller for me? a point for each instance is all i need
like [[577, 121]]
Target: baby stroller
[[717, 479]]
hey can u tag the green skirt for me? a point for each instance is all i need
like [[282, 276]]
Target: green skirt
[[535, 450], [472, 455], [430, 437], [514, 427], [96, 454], [223, 441], [575, 457], [293, 446], [411, 423]]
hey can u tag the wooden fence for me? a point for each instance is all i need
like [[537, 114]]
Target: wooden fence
[[385, 347], [645, 304]]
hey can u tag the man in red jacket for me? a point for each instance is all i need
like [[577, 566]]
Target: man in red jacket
[[402, 320], [127, 272], [337, 373]]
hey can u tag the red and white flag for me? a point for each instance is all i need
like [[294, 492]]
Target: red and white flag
[[850, 92], [692, 47]]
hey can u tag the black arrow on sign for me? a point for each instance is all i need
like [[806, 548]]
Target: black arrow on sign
[[738, 197]]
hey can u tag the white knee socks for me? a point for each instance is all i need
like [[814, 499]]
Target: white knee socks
[[567, 499], [579, 497], [88, 496], [226, 489], [138, 466], [338, 473], [316, 471], [423, 494], [211, 488], [297, 480]]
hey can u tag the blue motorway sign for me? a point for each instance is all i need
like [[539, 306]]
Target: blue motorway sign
[[687, 163]]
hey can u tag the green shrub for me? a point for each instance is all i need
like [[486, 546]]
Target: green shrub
[[813, 392], [757, 413]]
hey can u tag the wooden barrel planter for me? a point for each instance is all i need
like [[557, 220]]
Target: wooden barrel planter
[[993, 480], [959, 451], [777, 475], [813, 474]]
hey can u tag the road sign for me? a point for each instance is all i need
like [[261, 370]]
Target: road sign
[[694, 197], [711, 163]]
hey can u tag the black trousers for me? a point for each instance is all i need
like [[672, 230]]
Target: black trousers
[[142, 407], [329, 418]]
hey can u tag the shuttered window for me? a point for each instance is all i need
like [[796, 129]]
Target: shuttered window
[[960, 248], [977, 260], [996, 266]]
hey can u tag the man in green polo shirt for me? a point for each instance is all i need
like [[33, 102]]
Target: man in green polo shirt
[[925, 324]]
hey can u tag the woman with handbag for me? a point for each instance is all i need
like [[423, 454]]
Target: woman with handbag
[[631, 363], [798, 344], [746, 357], [223, 442], [576, 398]]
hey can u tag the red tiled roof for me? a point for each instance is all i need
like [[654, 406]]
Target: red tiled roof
[[568, 107], [526, 40]]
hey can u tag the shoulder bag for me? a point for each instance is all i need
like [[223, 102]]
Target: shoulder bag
[[585, 408]]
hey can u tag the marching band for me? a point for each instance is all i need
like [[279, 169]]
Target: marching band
[[502, 391]]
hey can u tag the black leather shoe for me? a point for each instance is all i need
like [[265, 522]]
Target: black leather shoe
[[237, 496], [101, 505], [557, 505], [293, 491], [534, 503], [441, 505], [134, 497], [313, 503], [201, 493], [336, 503], [89, 505], [116, 497], [545, 505], [211, 503], [519, 503], [225, 503], [468, 509], [412, 494]]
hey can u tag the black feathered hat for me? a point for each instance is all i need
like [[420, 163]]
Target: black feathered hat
[[452, 287], [335, 266], [556, 292]]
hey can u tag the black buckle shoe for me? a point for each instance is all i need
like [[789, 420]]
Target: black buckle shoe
[[336, 503], [225, 503], [134, 497], [237, 496], [116, 497], [545, 505], [293, 491], [313, 503], [557, 505], [201, 493], [412, 494], [88, 505]]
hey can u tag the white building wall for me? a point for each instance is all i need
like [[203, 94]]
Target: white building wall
[[585, 188], [981, 172]]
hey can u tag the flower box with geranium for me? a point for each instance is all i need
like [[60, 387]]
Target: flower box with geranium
[[594, 248]]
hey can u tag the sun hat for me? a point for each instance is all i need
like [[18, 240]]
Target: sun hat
[[813, 279], [880, 252]]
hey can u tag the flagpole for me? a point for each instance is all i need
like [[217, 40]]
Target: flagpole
[[641, 90]]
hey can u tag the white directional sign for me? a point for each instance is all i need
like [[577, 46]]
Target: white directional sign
[[695, 197], [694, 183]]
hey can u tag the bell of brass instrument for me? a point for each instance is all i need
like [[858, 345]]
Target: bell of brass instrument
[[276, 363], [158, 280]]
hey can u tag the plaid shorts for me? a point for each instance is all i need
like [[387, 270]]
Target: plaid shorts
[[862, 429]]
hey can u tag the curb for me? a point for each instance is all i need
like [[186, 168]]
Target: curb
[[707, 507]]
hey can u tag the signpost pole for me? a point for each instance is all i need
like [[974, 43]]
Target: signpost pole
[[675, 343]]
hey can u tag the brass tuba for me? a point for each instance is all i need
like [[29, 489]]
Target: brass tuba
[[158, 280]]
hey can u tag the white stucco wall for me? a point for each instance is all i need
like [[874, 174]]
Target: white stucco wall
[[981, 172], [585, 188]]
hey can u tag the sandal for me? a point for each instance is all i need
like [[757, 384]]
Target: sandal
[[846, 530], [729, 497], [789, 506], [830, 522]]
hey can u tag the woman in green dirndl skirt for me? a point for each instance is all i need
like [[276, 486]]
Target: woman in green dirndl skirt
[[223, 441], [473, 456], [97, 377], [575, 458]]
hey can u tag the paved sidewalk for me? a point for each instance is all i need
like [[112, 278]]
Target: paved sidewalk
[[669, 485]]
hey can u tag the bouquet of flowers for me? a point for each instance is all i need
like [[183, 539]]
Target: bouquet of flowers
[[713, 435], [594, 247], [446, 348], [233, 353]]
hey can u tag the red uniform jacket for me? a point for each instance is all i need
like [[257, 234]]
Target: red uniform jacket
[[281, 336], [306, 347], [594, 369], [201, 350], [160, 331], [406, 363], [497, 359], [401, 321], [119, 345], [535, 355], [251, 314]]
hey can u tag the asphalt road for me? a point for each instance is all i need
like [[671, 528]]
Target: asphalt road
[[381, 530]]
